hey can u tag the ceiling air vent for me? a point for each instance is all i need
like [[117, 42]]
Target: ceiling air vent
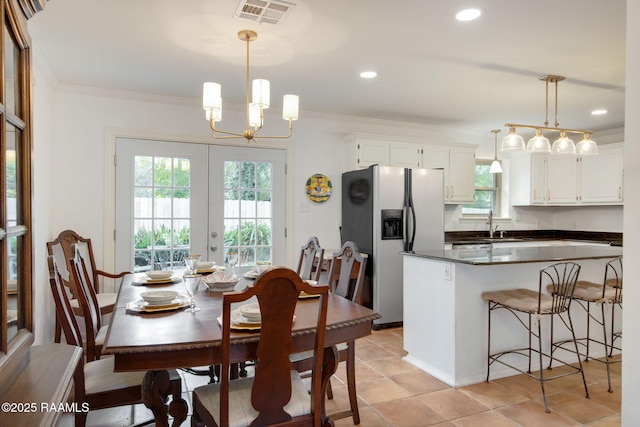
[[269, 12]]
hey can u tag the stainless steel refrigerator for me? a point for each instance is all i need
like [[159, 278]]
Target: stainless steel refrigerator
[[387, 210]]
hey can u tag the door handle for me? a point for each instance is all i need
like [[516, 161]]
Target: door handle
[[213, 248]]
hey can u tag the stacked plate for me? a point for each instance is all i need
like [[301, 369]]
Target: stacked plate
[[251, 312], [156, 277], [158, 301], [159, 297]]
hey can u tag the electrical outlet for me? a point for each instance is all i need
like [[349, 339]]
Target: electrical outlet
[[447, 271]]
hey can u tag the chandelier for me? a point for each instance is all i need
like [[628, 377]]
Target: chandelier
[[260, 100], [540, 144]]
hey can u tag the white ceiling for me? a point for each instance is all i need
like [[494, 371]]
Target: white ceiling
[[431, 68]]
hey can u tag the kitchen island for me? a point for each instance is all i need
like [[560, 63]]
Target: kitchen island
[[445, 317]]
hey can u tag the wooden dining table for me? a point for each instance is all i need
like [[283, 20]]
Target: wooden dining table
[[162, 340]]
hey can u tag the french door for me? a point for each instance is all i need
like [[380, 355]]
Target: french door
[[173, 198]]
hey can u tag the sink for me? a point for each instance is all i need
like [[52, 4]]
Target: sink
[[487, 240]]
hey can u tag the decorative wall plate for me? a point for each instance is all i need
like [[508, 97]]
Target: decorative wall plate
[[318, 188]]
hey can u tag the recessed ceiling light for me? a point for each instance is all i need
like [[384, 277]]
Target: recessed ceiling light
[[468, 14], [598, 112], [368, 74]]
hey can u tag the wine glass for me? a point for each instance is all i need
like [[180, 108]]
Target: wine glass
[[232, 258], [191, 261], [191, 283]]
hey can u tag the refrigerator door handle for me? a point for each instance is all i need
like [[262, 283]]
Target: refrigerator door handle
[[405, 214], [412, 210]]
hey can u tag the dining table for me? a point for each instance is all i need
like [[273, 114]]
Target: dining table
[[141, 338]]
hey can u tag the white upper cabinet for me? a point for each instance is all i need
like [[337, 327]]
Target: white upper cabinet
[[568, 180], [457, 160], [601, 176], [561, 180]]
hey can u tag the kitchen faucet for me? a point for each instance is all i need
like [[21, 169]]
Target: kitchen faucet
[[490, 222]]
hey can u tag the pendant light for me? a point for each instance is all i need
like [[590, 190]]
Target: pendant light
[[496, 167], [540, 144]]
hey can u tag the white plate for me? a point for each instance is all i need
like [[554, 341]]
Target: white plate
[[251, 274], [205, 265], [238, 319], [159, 274], [250, 311], [158, 297], [142, 306]]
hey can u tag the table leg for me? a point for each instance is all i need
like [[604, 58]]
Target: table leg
[[329, 367], [155, 391]]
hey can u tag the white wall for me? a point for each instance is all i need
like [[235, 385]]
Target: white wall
[[44, 204], [631, 317]]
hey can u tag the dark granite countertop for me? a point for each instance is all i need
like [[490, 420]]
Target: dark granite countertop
[[476, 237], [492, 256]]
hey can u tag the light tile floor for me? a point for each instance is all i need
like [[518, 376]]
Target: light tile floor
[[394, 393]]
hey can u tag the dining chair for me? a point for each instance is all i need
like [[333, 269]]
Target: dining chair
[[98, 385], [346, 279], [275, 395], [561, 278], [61, 250], [86, 297], [311, 259], [608, 295]]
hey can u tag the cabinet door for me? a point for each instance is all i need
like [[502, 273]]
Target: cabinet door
[[562, 180], [538, 178], [601, 177], [373, 153], [405, 155], [462, 167]]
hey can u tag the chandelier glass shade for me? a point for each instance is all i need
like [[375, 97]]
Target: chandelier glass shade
[[512, 142], [539, 143], [255, 106]]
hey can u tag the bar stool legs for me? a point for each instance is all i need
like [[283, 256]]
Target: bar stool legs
[[534, 307], [608, 295]]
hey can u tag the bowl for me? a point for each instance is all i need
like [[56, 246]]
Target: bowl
[[251, 311], [219, 280], [158, 297], [204, 265], [159, 274]]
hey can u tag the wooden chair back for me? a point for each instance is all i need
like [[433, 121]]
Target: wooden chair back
[[64, 312], [311, 258], [277, 291], [63, 251], [87, 299], [347, 272]]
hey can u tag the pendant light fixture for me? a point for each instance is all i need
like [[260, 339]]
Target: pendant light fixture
[[212, 103], [540, 144], [496, 167]]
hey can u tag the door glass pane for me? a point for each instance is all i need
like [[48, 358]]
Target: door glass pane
[[12, 187], [247, 211], [11, 83], [161, 222]]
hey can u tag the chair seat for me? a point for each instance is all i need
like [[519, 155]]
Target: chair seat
[[589, 291], [305, 355], [100, 377], [241, 413], [106, 302], [524, 300]]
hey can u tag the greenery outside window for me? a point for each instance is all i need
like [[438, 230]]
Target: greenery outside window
[[488, 191]]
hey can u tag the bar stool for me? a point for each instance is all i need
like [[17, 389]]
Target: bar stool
[[527, 303], [607, 295]]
